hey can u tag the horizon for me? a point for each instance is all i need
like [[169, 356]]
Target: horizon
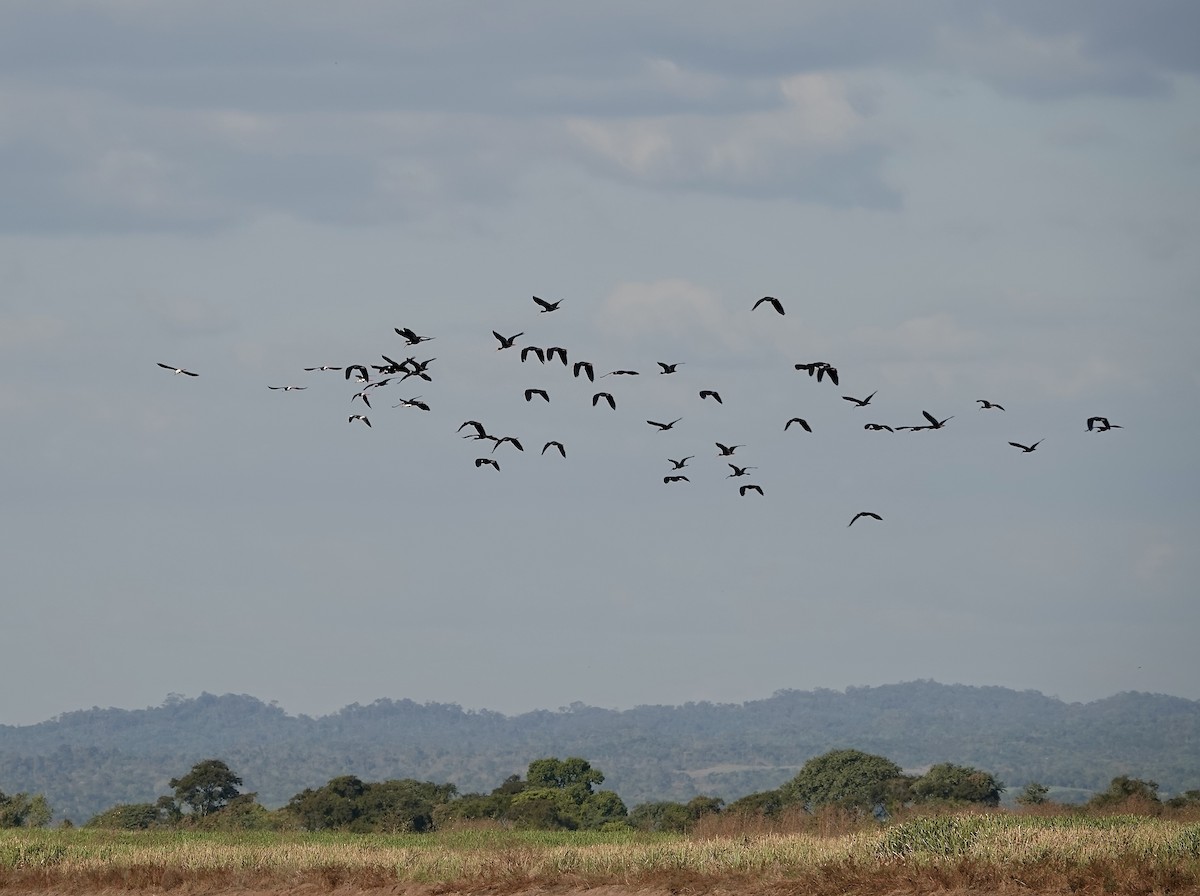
[[173, 698]]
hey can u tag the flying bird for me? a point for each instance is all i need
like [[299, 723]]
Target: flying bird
[[676, 479], [1100, 424], [984, 404], [749, 488], [323, 367], [354, 417], [710, 393], [934, 422], [558, 445], [557, 350], [667, 368], [873, 516], [547, 306], [1027, 448], [289, 388], [516, 443], [619, 373], [506, 341], [770, 300], [490, 461], [529, 393], [680, 464], [822, 369], [607, 396], [176, 370], [860, 402], [727, 450], [663, 427], [482, 433], [801, 421], [410, 337], [362, 376], [532, 349], [412, 403], [738, 471], [363, 396], [586, 367]]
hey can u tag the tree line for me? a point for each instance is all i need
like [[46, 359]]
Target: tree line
[[560, 794]]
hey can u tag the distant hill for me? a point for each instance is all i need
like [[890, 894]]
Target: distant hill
[[86, 761]]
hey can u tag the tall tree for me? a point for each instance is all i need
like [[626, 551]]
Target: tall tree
[[851, 779], [947, 782], [208, 787]]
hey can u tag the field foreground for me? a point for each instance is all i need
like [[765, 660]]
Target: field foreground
[[953, 854]]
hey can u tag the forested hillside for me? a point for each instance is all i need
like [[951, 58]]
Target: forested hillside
[[89, 760]]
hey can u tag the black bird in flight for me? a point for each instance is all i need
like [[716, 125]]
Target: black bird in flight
[[558, 445], [482, 433], [727, 450], [532, 349], [506, 341], [409, 336], [676, 479], [363, 396], [619, 373], [547, 306], [667, 368], [607, 396], [490, 461], [860, 402], [1098, 424], [412, 403], [323, 367], [822, 369], [710, 393], [289, 388], [801, 421], [586, 367], [934, 422], [873, 516], [176, 370], [984, 404], [1027, 448], [354, 417], [749, 488], [738, 471], [876, 427], [663, 427], [362, 376], [680, 464], [529, 393], [772, 301], [502, 439], [557, 350]]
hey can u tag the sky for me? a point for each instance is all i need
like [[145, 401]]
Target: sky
[[951, 201]]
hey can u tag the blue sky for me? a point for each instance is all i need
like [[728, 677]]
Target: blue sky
[[952, 201]]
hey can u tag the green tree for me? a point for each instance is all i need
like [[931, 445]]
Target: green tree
[[1123, 789], [24, 811], [1034, 794], [849, 779], [128, 817], [950, 783], [207, 788], [558, 794]]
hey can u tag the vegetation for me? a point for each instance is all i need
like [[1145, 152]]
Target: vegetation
[[85, 762], [985, 851]]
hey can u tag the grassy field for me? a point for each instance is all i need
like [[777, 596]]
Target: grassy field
[[992, 852]]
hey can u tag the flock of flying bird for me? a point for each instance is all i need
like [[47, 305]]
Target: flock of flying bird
[[371, 377]]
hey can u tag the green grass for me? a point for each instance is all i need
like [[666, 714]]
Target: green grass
[[969, 850]]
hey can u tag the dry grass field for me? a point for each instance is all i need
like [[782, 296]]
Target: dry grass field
[[993, 852]]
